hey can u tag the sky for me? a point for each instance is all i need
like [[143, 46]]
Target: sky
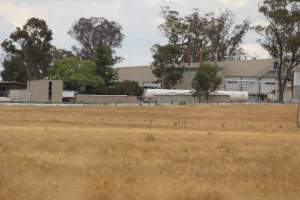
[[139, 19]]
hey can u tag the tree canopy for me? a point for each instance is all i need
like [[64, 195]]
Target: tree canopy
[[104, 63], [281, 37], [96, 31], [78, 75], [61, 53], [14, 70], [30, 47], [166, 65], [206, 80], [217, 36]]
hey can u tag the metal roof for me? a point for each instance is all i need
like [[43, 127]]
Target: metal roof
[[12, 83], [247, 68]]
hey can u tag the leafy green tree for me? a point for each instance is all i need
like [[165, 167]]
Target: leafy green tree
[[174, 27], [281, 37], [78, 75], [96, 31], [167, 67], [196, 36], [14, 70], [206, 81], [61, 53], [104, 63], [225, 37], [31, 47]]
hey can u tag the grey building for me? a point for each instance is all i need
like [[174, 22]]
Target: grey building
[[296, 88], [258, 77], [45, 91], [39, 91], [141, 74], [6, 86]]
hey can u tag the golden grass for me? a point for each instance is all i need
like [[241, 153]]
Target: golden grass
[[127, 153]]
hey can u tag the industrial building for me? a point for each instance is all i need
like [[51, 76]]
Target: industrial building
[[296, 88], [6, 86], [242, 80], [39, 91], [257, 77]]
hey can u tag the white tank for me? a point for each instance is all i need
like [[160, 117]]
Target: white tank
[[150, 93], [236, 96]]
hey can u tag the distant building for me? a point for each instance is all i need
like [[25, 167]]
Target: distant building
[[141, 74], [39, 91], [257, 77], [296, 87], [5, 86], [45, 91]]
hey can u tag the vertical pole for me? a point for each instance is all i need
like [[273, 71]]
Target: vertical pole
[[298, 110], [241, 84], [29, 90], [259, 89]]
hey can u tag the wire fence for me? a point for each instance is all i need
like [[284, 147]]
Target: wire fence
[[259, 90]]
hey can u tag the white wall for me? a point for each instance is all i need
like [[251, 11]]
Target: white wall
[[297, 78], [251, 85]]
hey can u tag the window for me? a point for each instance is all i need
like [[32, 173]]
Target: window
[[232, 82], [269, 83], [275, 66], [50, 91]]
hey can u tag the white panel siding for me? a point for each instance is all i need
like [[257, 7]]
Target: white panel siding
[[297, 78], [269, 86], [251, 85]]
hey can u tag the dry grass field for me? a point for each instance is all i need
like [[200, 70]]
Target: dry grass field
[[233, 152]]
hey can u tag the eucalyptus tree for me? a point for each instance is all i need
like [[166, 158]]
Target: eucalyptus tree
[[218, 36], [167, 65], [93, 32], [28, 51], [281, 37], [225, 37]]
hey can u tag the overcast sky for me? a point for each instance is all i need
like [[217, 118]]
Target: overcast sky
[[139, 19]]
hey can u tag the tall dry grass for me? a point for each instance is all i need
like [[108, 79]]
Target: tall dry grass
[[177, 153]]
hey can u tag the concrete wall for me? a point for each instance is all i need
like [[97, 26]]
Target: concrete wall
[[186, 83], [174, 99], [189, 75], [106, 99], [297, 85], [138, 74], [251, 85], [19, 95], [39, 91], [57, 91], [219, 99], [297, 93]]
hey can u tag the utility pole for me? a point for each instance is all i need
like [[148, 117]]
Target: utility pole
[[297, 117]]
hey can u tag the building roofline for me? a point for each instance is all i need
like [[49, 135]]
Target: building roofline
[[193, 64], [12, 82], [139, 66]]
